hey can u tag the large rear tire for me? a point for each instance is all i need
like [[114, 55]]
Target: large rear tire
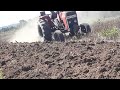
[[45, 31], [58, 36], [40, 31]]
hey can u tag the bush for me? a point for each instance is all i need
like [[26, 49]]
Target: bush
[[104, 24], [1, 74], [112, 33]]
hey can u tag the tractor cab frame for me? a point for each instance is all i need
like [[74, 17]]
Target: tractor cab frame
[[69, 21]]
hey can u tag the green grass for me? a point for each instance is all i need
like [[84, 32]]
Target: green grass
[[1, 74], [112, 33]]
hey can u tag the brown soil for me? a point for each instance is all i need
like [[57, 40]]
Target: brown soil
[[69, 60]]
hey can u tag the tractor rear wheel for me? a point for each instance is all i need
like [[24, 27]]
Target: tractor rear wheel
[[45, 31], [40, 31], [58, 36]]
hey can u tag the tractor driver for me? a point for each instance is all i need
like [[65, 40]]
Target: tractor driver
[[53, 15], [45, 18]]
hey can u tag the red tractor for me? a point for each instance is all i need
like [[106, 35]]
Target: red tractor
[[56, 25]]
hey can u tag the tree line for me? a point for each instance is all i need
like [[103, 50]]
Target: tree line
[[17, 26]]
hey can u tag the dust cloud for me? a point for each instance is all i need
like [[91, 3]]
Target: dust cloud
[[92, 16], [29, 33]]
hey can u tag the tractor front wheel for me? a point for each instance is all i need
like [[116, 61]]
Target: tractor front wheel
[[85, 28], [58, 36]]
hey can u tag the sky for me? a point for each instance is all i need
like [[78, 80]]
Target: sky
[[11, 17]]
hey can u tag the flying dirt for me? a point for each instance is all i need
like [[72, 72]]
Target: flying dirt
[[28, 33]]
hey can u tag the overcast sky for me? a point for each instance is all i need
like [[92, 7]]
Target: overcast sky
[[11, 17]]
